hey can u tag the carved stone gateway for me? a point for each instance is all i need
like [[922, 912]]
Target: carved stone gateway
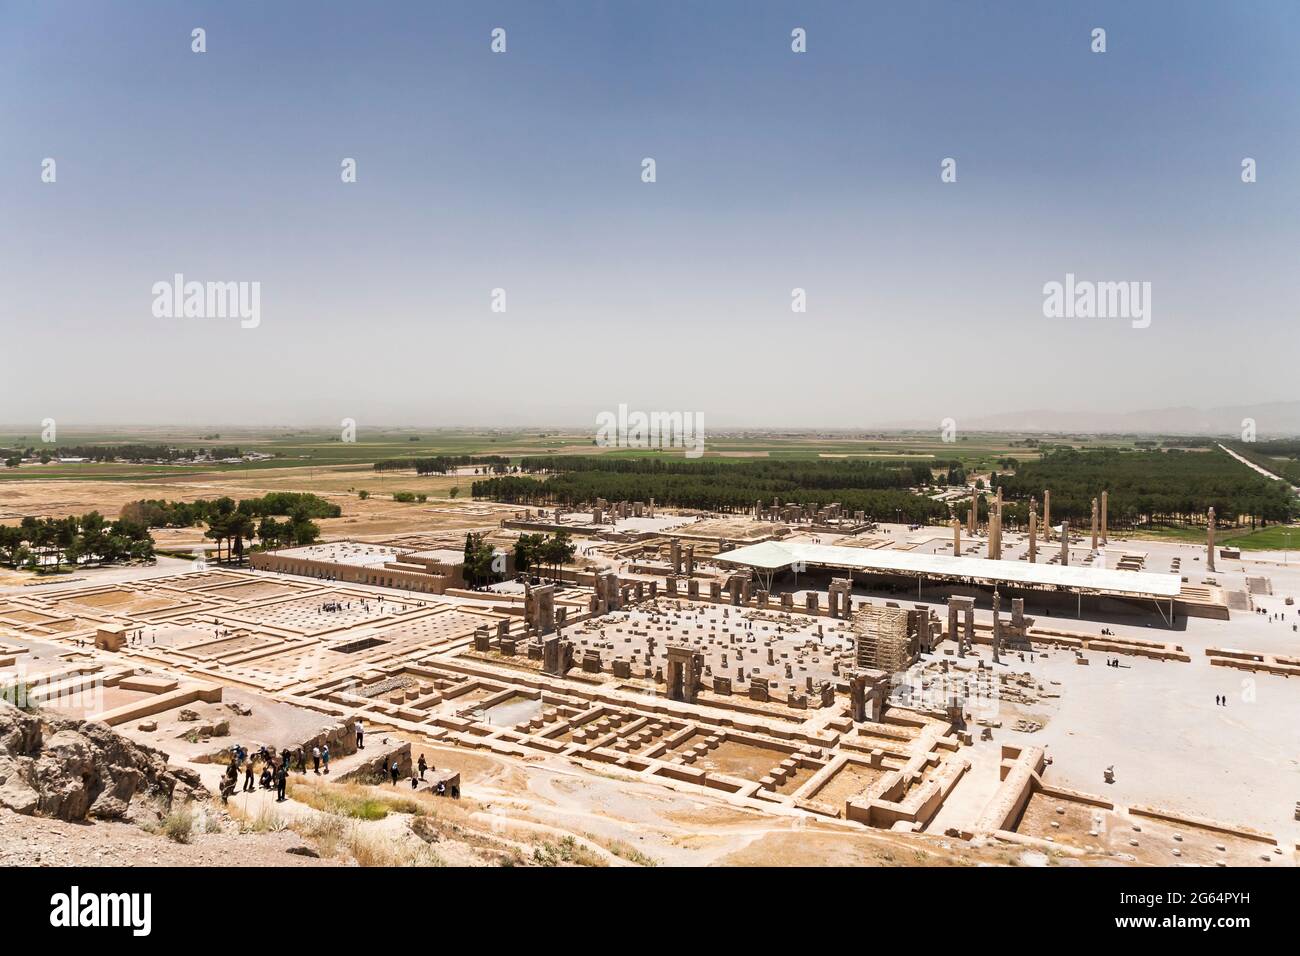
[[557, 656], [839, 597], [867, 691], [539, 608], [966, 634], [685, 666]]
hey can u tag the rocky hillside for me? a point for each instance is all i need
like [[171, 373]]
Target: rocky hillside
[[75, 769]]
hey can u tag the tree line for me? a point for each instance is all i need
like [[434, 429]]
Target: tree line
[[37, 544], [160, 513], [1277, 455], [790, 473], [231, 523], [1145, 488], [442, 464], [732, 489], [109, 453]]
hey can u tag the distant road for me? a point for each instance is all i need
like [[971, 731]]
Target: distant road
[[1259, 468]]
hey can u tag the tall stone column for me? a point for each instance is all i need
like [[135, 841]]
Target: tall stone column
[[1094, 524], [1209, 543], [956, 538], [1047, 514], [1033, 534], [1104, 538], [998, 547], [970, 516], [997, 627], [1065, 544]]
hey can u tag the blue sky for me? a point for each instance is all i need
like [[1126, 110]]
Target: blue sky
[[522, 171]]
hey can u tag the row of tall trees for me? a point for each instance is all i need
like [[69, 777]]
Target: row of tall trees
[[159, 513], [1280, 456], [537, 552], [1170, 487], [234, 526], [442, 464], [791, 473], [725, 491], [49, 543]]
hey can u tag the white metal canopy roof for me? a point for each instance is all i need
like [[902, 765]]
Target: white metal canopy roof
[[771, 555]]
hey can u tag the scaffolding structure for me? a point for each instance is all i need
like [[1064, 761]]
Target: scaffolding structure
[[882, 639]]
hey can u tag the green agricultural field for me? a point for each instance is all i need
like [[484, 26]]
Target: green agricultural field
[[1275, 538], [322, 448]]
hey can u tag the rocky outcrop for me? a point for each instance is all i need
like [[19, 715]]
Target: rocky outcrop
[[378, 767], [77, 769]]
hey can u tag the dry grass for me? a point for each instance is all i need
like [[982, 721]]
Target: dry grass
[[370, 849], [266, 820], [567, 851], [624, 851], [178, 824], [352, 800]]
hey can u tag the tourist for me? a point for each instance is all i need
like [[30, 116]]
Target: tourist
[[361, 735], [228, 782], [423, 766], [325, 758], [249, 786], [395, 772], [315, 760], [281, 781], [441, 789]]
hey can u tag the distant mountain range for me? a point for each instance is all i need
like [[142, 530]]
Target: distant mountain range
[[1271, 418]]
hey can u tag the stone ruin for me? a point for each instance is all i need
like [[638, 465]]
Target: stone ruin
[[685, 667]]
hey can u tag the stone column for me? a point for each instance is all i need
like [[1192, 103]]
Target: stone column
[[1094, 524], [997, 627], [1209, 543], [1047, 514], [1104, 537], [972, 515], [1033, 533], [956, 538], [1065, 544], [995, 524]]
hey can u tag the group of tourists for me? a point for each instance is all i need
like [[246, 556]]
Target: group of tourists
[[275, 768]]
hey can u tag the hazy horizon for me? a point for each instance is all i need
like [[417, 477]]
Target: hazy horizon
[[522, 171]]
